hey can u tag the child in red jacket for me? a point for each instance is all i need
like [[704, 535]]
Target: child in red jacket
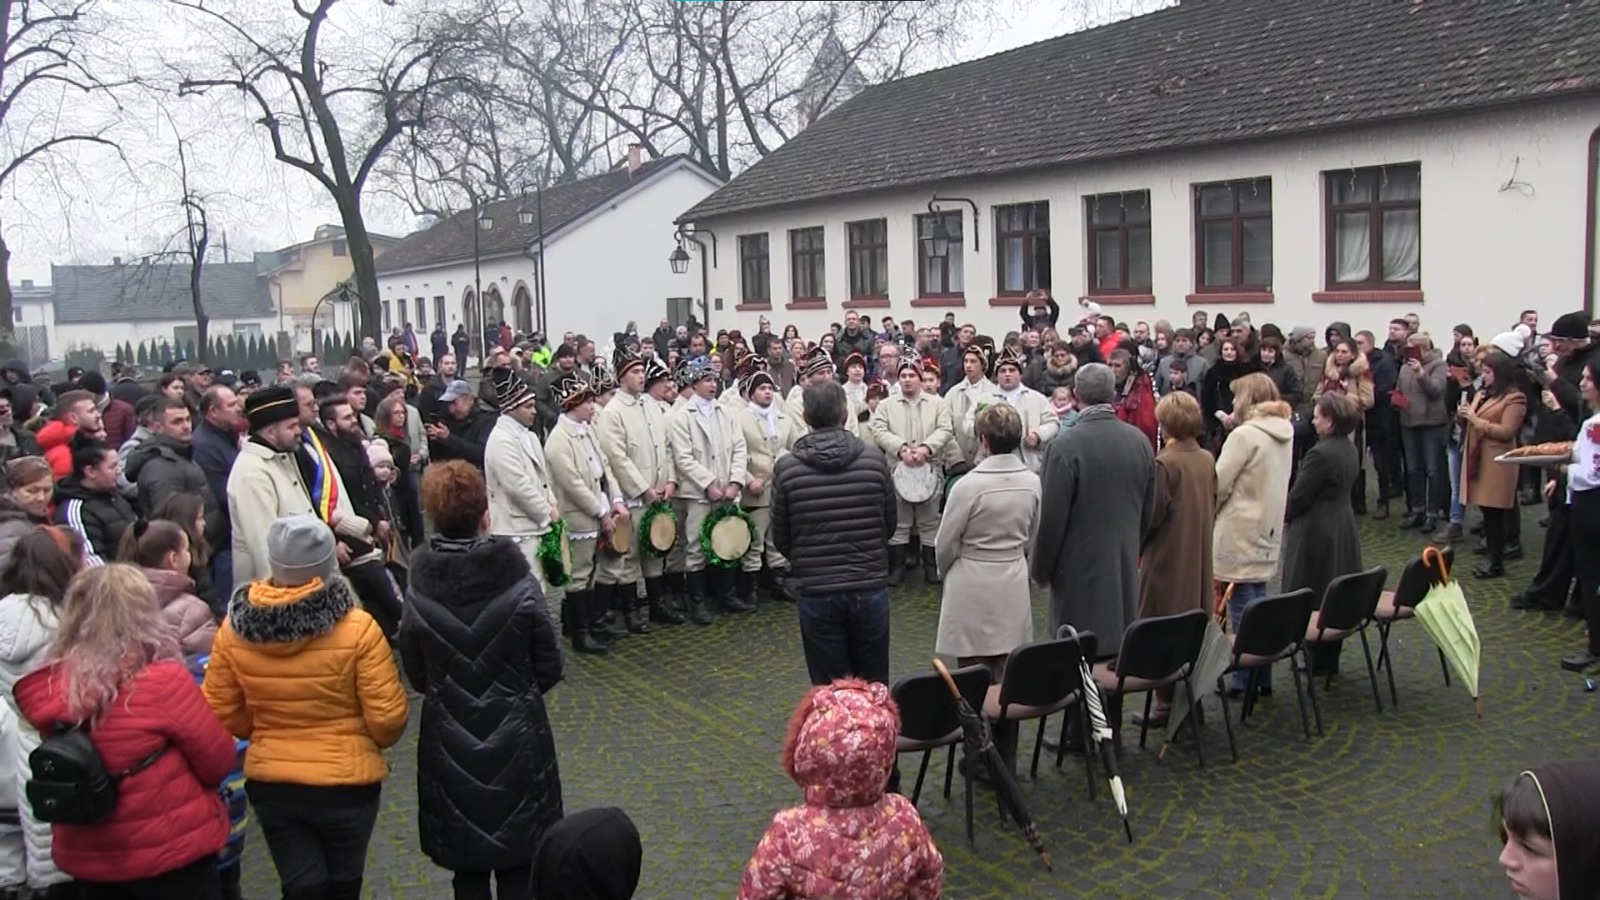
[[849, 839]]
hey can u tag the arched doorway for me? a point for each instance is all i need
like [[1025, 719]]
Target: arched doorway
[[469, 315], [522, 309], [494, 307]]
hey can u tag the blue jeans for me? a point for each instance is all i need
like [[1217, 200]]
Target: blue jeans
[[1458, 513], [1425, 468], [846, 634], [1243, 593]]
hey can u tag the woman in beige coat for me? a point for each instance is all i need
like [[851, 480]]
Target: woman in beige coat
[[1493, 417], [1252, 494], [989, 520]]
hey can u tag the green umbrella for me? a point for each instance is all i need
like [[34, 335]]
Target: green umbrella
[[1444, 614]]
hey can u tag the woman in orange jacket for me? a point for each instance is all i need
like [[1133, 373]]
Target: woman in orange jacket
[[307, 677]]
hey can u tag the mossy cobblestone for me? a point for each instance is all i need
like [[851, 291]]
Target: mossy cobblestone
[[683, 729]]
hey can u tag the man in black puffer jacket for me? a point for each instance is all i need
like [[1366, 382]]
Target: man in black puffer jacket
[[88, 503], [833, 512], [164, 465]]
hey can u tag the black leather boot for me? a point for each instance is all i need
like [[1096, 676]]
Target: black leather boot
[[568, 615], [584, 639], [655, 592], [743, 599], [699, 599], [897, 564], [634, 610], [679, 591], [344, 890], [930, 566], [782, 587], [608, 612]]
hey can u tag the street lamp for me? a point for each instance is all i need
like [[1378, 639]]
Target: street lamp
[[342, 295], [533, 214], [939, 228], [936, 243], [679, 260], [485, 222]]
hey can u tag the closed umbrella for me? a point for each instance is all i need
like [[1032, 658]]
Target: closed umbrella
[[1444, 614], [1216, 654], [977, 743], [1101, 733]]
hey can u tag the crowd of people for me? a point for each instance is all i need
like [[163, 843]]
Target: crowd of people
[[226, 566]]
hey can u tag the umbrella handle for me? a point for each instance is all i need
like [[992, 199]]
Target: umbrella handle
[[949, 682], [1437, 559]]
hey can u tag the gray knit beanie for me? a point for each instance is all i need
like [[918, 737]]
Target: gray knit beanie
[[300, 548]]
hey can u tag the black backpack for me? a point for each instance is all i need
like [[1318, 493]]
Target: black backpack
[[70, 784]]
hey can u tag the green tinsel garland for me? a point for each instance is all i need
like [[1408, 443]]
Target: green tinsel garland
[[658, 508], [718, 513], [549, 553]]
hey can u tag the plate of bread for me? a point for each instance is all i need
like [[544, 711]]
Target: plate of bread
[[1551, 453]]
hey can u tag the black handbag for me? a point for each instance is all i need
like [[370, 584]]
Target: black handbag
[[69, 783]]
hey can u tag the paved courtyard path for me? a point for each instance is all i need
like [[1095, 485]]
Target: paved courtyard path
[[683, 729]]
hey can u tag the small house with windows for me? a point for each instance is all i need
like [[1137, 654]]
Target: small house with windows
[[1303, 160], [605, 248]]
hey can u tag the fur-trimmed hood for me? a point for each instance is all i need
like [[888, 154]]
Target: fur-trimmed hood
[[464, 573], [284, 618], [1358, 368]]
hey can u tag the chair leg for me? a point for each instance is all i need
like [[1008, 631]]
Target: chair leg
[[1300, 700], [1144, 725], [922, 772], [1252, 690], [1383, 654], [1196, 712], [1038, 745], [1444, 666], [1227, 720], [1372, 674], [967, 777], [950, 769], [1311, 690]]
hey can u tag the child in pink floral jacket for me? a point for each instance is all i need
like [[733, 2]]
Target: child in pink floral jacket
[[849, 839]]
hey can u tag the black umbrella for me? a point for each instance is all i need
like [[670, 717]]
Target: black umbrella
[[977, 743], [1101, 733]]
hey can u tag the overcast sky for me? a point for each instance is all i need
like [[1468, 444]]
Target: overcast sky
[[88, 206]]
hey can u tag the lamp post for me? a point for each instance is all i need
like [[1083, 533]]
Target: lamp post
[[939, 230], [534, 215], [343, 296], [482, 222], [679, 260]]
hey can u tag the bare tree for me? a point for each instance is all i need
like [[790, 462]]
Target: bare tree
[[197, 238], [46, 66], [332, 115]]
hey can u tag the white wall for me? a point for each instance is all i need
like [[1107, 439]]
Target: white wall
[[609, 268], [1486, 251]]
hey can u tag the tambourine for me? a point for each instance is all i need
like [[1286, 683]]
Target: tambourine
[[916, 484], [726, 535], [620, 541], [555, 554], [658, 529]]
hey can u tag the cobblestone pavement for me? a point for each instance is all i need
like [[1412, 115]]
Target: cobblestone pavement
[[683, 729]]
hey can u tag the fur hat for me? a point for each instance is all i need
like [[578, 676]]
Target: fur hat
[[683, 375], [299, 549], [626, 360], [604, 381], [816, 360], [270, 406], [700, 370], [757, 379], [572, 392], [655, 371], [510, 391], [1007, 357]]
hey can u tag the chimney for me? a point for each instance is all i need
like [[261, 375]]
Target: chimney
[[633, 158], [116, 260], [27, 284]]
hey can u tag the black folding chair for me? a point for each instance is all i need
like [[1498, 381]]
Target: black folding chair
[[1041, 679], [928, 721], [1416, 579], [1270, 629], [1347, 609], [1158, 652]]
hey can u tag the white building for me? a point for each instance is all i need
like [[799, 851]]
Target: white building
[[607, 240], [103, 307], [1302, 160]]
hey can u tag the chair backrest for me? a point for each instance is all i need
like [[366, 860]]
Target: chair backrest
[[1352, 599], [1416, 579], [927, 711], [1270, 626], [1043, 672], [1156, 648]]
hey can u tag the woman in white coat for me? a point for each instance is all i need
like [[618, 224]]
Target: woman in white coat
[[34, 581], [989, 520]]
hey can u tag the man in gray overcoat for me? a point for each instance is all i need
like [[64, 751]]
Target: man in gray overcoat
[[1098, 485]]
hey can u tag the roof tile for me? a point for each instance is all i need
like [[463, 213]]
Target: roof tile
[[156, 292]]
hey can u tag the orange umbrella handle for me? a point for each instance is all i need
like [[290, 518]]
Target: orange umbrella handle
[[938, 666], [1437, 562]]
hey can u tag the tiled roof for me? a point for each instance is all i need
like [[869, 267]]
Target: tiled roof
[[156, 292], [451, 239], [1203, 72]]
